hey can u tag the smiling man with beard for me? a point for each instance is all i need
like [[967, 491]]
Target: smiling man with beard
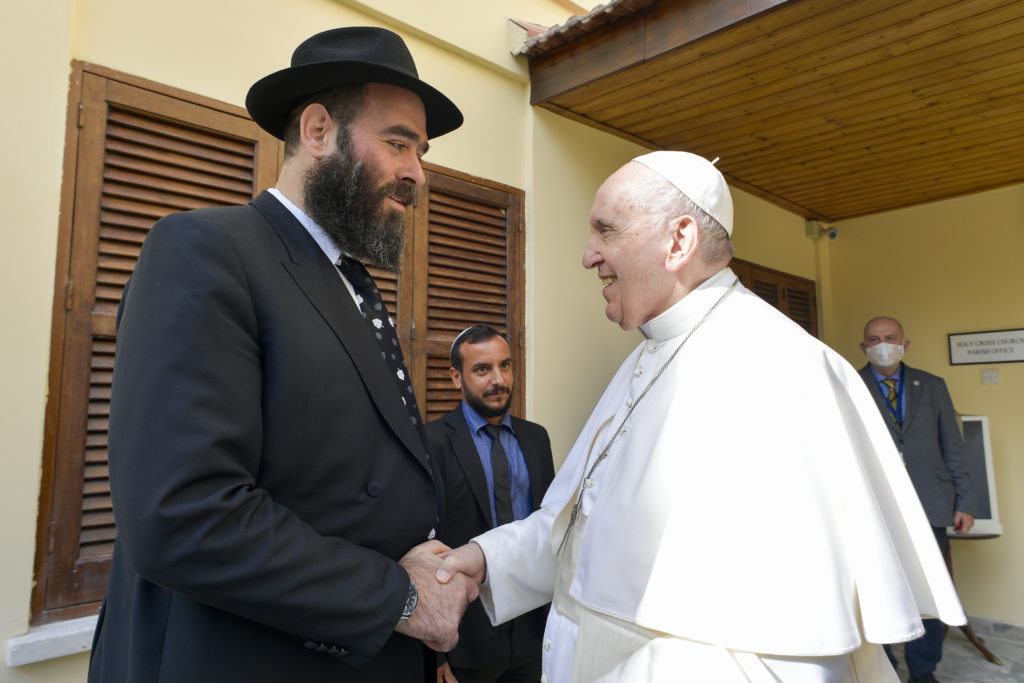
[[496, 469], [271, 483]]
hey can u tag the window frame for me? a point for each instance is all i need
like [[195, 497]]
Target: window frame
[[63, 463]]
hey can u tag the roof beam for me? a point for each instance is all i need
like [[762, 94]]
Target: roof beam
[[633, 40]]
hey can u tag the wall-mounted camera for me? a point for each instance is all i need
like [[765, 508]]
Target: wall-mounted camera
[[816, 229]]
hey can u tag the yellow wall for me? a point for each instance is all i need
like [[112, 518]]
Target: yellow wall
[[772, 237], [36, 36], [947, 267], [575, 350], [218, 49]]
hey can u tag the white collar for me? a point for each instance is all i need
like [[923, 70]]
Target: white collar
[[315, 231], [686, 312]]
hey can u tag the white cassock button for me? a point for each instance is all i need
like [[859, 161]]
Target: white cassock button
[[544, 678], [653, 348], [638, 372], [430, 536], [547, 644], [588, 483]]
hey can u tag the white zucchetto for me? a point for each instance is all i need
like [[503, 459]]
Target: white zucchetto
[[697, 178]]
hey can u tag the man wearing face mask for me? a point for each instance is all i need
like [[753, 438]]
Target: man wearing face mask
[[920, 416]]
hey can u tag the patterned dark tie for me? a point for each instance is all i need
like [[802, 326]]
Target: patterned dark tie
[[383, 327], [502, 480], [893, 398]]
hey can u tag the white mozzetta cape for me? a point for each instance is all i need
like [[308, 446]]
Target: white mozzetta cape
[[755, 501]]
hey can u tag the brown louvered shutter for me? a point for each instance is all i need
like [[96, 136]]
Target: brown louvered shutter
[[801, 305], [138, 155], [792, 295], [766, 286], [467, 268]]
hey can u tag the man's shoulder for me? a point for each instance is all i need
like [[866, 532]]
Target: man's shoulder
[[915, 374], [448, 421], [531, 431], [520, 423], [776, 332], [207, 223], [213, 214]]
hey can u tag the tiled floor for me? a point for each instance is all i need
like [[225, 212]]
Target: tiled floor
[[962, 663]]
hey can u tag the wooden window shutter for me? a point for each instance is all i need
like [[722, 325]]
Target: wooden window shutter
[[466, 267], [136, 152], [792, 295]]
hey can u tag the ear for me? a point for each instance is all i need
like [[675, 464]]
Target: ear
[[863, 347], [906, 345], [317, 131], [684, 235], [456, 378]]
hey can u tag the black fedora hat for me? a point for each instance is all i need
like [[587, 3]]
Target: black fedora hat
[[344, 56]]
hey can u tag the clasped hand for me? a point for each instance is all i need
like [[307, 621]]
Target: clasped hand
[[441, 603]]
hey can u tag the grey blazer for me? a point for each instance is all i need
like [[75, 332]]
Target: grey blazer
[[931, 444]]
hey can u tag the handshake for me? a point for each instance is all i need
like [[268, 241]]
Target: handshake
[[447, 581]]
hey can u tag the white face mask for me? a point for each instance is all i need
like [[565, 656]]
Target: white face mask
[[884, 354]]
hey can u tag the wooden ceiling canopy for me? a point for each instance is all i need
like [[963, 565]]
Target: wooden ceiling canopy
[[828, 108]]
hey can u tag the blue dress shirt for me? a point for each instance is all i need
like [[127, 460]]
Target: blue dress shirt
[[519, 476]]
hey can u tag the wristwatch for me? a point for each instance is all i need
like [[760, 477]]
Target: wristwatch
[[410, 603]]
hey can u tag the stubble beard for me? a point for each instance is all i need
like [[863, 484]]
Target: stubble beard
[[484, 410], [343, 197]]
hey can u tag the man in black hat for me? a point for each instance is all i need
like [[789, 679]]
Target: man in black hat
[[272, 489]]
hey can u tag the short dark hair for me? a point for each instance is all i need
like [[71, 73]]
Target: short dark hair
[[343, 104], [475, 334]]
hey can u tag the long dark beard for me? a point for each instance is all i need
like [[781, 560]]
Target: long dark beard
[[341, 195]]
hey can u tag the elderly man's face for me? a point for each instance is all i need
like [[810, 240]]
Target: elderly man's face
[[628, 246], [882, 330]]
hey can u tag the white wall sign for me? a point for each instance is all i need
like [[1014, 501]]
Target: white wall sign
[[999, 346]]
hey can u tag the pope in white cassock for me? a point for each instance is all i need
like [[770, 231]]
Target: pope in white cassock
[[820, 550]]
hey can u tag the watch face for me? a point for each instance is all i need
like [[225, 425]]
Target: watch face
[[411, 601]]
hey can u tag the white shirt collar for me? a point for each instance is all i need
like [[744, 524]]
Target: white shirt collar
[[325, 243], [686, 312], [315, 231]]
